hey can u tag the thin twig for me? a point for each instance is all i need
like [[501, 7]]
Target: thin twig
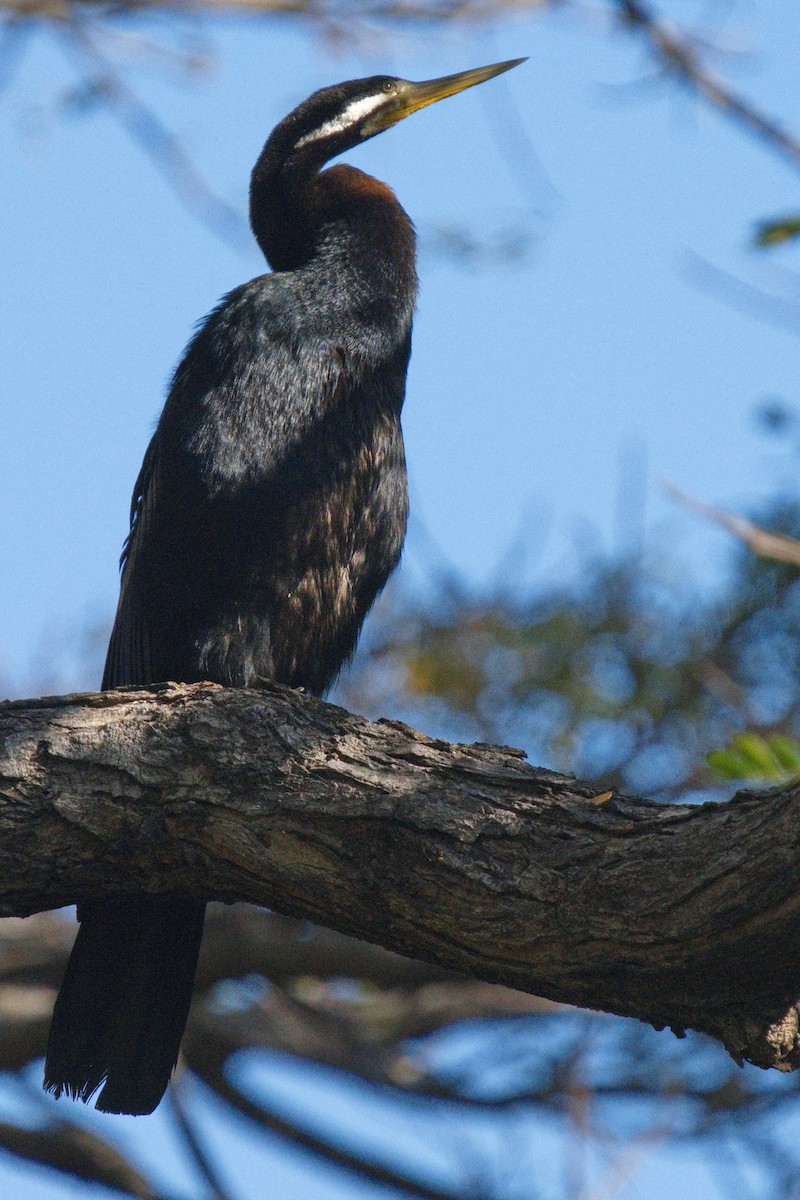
[[679, 56], [624, 1164], [749, 299], [13, 40], [364, 1166], [206, 1167], [762, 542], [160, 145]]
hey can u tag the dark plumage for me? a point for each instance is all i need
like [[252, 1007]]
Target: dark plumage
[[268, 514]]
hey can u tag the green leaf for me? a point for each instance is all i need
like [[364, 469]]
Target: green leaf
[[755, 757], [774, 233]]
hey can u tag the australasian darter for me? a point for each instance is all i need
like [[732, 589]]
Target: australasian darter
[[269, 512]]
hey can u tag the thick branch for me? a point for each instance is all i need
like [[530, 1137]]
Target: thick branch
[[465, 856]]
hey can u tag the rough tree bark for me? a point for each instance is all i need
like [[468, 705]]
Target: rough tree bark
[[466, 856]]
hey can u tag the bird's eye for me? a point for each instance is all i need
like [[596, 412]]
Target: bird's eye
[[389, 87]]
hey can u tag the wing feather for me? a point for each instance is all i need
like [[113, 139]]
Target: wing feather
[[129, 658]]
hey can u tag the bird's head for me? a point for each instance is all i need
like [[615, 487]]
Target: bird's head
[[337, 118]]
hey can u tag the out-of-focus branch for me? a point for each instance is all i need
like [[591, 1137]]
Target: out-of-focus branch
[[154, 138], [781, 311], [195, 1143], [211, 1070], [358, 1031], [761, 541], [78, 1153], [678, 54], [336, 10]]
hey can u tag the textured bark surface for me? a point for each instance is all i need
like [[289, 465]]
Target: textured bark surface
[[464, 856]]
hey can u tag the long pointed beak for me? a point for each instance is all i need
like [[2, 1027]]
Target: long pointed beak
[[413, 96]]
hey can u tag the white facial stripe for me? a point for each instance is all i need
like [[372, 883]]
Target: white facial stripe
[[350, 116]]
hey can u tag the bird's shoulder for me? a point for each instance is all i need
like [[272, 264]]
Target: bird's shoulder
[[280, 310], [260, 337]]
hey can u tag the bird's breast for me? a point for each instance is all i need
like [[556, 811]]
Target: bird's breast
[[338, 543]]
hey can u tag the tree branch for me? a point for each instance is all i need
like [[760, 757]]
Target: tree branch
[[464, 856], [764, 543], [679, 54]]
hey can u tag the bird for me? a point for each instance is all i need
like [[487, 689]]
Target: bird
[[268, 514]]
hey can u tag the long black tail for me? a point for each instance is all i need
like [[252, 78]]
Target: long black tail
[[122, 1008]]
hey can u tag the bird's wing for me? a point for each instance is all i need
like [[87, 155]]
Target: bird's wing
[[129, 658]]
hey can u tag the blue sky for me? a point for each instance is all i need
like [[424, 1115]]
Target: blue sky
[[535, 390]]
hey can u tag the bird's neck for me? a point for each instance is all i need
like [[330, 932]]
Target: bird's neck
[[340, 221], [282, 192], [365, 244]]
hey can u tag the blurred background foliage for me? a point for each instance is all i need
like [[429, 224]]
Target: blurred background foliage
[[331, 1068], [630, 674]]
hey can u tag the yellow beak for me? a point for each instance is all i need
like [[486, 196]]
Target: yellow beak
[[413, 96]]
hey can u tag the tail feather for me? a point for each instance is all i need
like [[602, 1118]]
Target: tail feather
[[122, 1008]]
